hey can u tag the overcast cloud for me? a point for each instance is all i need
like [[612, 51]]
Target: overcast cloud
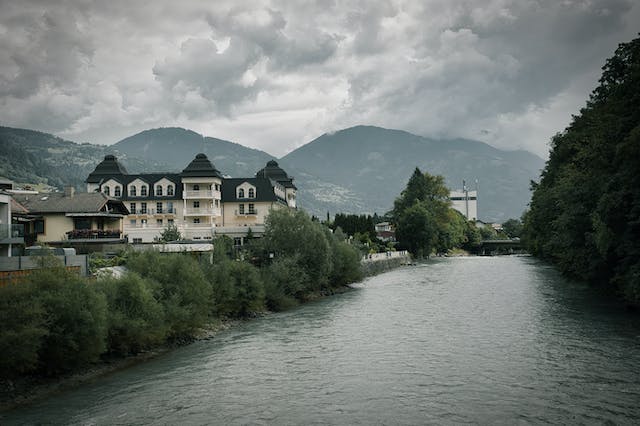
[[275, 74]]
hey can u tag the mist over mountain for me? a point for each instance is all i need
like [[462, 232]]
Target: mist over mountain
[[358, 170]]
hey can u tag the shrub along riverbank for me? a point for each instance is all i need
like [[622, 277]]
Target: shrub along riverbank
[[57, 322]]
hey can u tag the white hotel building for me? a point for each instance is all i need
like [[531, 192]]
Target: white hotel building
[[198, 201]]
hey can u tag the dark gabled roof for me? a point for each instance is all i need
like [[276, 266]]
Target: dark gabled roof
[[83, 202], [274, 172], [201, 167], [108, 168], [264, 190], [151, 179]]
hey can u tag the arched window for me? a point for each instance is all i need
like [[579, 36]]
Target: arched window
[[240, 192], [169, 189], [116, 191], [105, 189], [132, 191], [143, 190], [196, 187], [252, 193], [158, 190]]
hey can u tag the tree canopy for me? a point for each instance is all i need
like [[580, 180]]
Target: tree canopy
[[584, 214], [424, 220]]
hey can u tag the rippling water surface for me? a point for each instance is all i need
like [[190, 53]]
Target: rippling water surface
[[498, 340]]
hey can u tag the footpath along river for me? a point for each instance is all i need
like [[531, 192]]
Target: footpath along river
[[487, 340]]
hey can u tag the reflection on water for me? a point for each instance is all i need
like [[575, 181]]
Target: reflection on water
[[470, 340]]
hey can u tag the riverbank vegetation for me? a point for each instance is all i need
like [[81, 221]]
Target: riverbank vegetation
[[56, 321], [585, 212], [425, 221]]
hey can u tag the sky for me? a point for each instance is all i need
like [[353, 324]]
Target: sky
[[273, 75]]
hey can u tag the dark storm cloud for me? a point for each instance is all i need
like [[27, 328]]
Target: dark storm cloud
[[275, 74]]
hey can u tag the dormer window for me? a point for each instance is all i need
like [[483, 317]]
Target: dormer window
[[158, 190], [105, 190], [143, 191], [169, 189], [241, 193], [252, 193], [116, 191], [132, 191]]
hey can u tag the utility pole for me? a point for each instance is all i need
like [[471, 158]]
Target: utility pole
[[466, 198]]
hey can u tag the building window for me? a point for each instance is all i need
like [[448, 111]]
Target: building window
[[158, 207], [241, 193], [196, 204], [38, 226], [132, 191], [81, 223], [143, 208], [132, 222], [196, 220], [252, 209], [132, 208], [170, 207], [143, 222], [241, 209], [217, 187], [116, 191], [137, 241], [105, 190], [170, 221], [217, 203], [237, 241], [143, 191], [169, 189], [159, 222], [196, 187], [252, 193], [158, 190]]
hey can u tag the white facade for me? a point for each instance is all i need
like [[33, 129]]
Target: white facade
[[466, 202]]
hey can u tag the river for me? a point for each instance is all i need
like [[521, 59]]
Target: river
[[479, 340]]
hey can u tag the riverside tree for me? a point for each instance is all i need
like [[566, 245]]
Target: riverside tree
[[584, 213], [425, 222]]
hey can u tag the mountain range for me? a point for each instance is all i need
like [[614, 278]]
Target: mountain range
[[357, 170]]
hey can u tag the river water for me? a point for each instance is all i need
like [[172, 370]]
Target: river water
[[480, 340]]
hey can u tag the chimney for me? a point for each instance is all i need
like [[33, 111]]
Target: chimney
[[69, 191]]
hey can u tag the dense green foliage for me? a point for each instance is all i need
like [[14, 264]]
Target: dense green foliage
[[57, 321], [352, 224], [585, 211], [425, 222]]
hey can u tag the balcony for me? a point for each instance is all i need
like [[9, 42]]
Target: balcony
[[93, 234], [11, 233], [201, 211], [253, 212], [171, 211], [203, 193]]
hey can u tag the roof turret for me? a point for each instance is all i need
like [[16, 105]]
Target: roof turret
[[109, 167], [201, 167], [274, 172]]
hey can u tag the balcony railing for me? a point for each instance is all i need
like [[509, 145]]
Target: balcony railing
[[9, 230], [203, 193], [154, 211], [201, 211], [253, 212], [90, 234]]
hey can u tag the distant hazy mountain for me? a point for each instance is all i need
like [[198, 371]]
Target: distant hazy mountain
[[358, 170], [172, 148], [363, 169]]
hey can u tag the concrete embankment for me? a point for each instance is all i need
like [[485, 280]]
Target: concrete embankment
[[377, 263]]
